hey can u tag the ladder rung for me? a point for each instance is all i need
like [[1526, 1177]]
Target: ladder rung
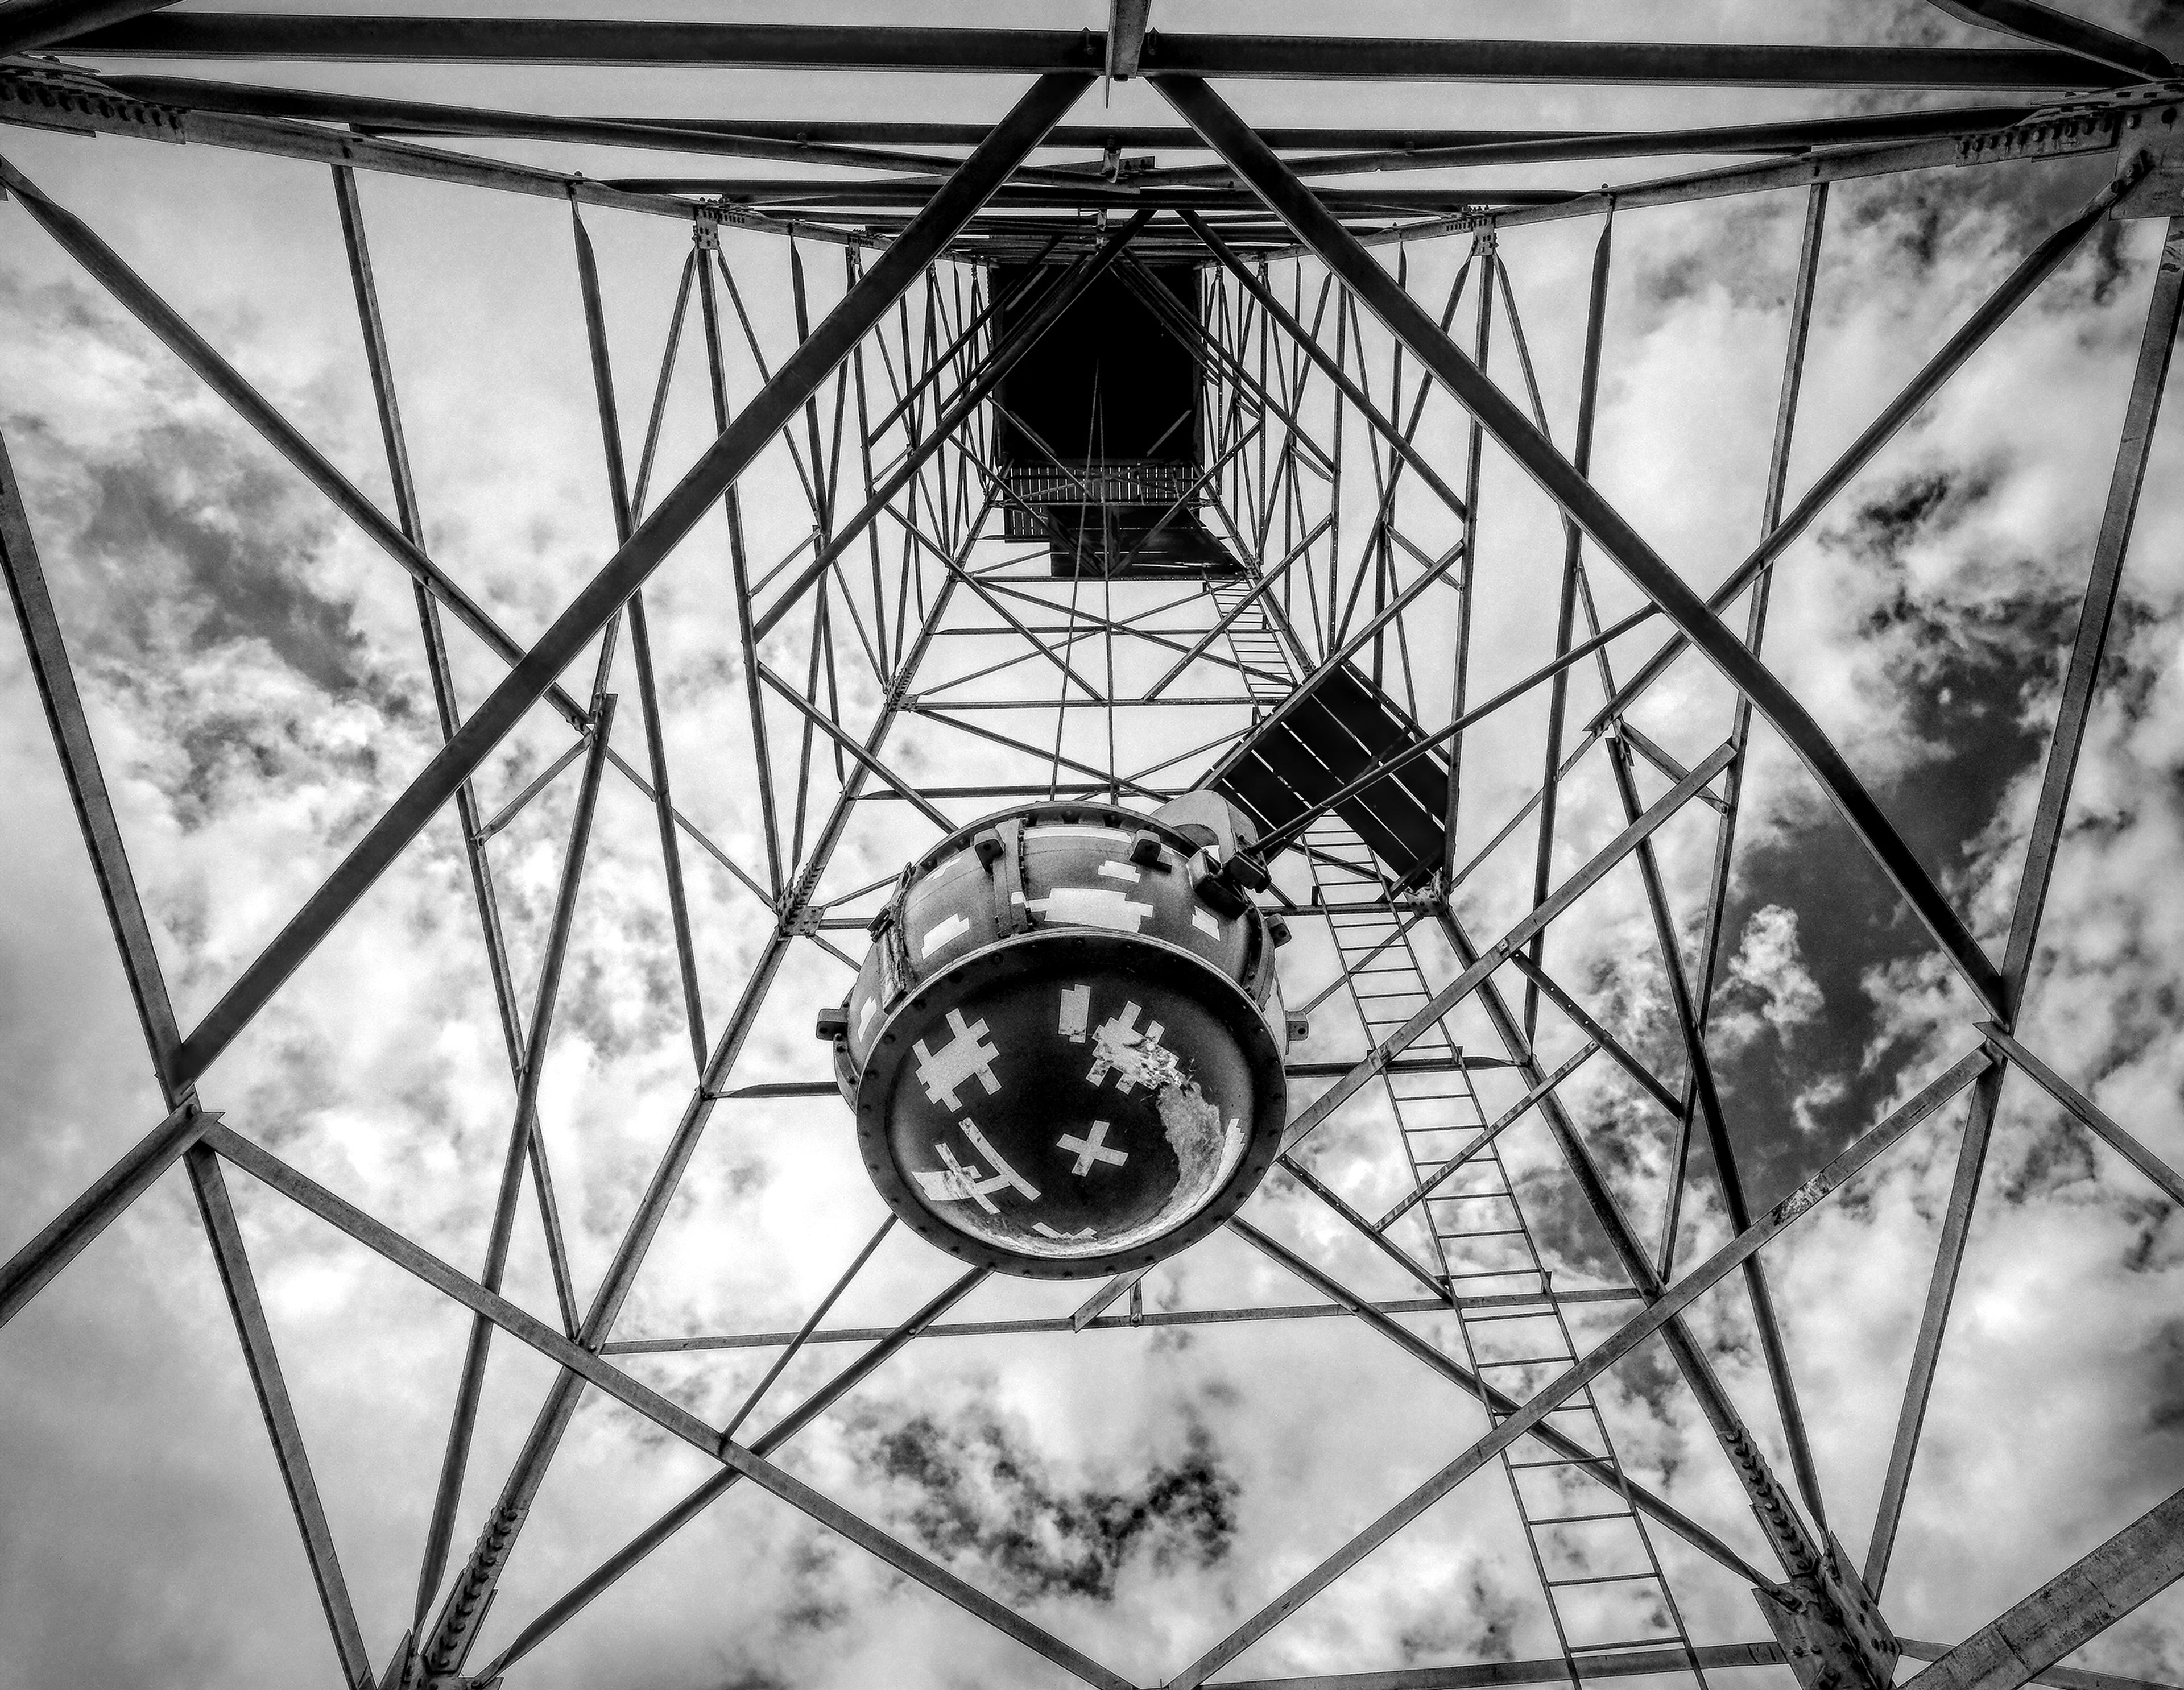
[[1675, 1639], [1568, 1461], [1528, 1361], [1599, 1578], [1575, 1519]]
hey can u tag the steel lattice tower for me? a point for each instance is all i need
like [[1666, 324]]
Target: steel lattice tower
[[1361, 359]]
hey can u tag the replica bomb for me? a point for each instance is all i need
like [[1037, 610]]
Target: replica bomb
[[1065, 1047]]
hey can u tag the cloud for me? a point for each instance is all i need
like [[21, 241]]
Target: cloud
[[253, 673], [1767, 980], [980, 1491]]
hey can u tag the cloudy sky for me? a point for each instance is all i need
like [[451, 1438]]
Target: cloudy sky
[[252, 670]]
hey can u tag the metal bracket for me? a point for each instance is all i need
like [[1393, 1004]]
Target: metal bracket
[[1831, 1630], [2055, 137], [2159, 192], [2138, 97], [76, 104]]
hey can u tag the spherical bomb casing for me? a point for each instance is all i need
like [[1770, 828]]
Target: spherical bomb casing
[[1065, 1048]]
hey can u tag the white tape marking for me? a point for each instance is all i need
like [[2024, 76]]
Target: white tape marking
[[1076, 1012], [1091, 1148], [1003, 1175], [940, 932], [966, 1055], [1092, 906]]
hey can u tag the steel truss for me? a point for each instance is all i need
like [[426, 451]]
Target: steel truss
[[903, 632]]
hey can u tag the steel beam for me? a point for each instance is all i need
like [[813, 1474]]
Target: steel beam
[[1495, 1402], [640, 637], [885, 1342], [30, 1268], [541, 41], [1810, 1569], [1126, 37], [1933, 1324], [1588, 399], [380, 361], [522, 1146], [1310, 683], [2074, 712], [29, 25], [2066, 133], [1290, 200], [769, 410], [668, 1415], [1398, 441], [250, 1326], [316, 144], [929, 1573], [2030, 21], [739, 568], [802, 1335], [848, 743], [1801, 1556], [55, 678], [792, 196], [2087, 1112], [1755, 627], [131, 291], [2063, 1677], [1059, 1324], [2140, 414], [456, 1630], [960, 409], [1291, 831], [383, 117], [1426, 1185], [1798, 137], [1377, 1238], [1494, 1675], [1690, 1024], [950, 356], [1580, 1018], [2034, 267], [1486, 252], [1327, 144], [1658, 1313], [1307, 1119], [2071, 1609]]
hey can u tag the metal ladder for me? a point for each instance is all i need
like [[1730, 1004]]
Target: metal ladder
[[1605, 1589], [1252, 642]]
